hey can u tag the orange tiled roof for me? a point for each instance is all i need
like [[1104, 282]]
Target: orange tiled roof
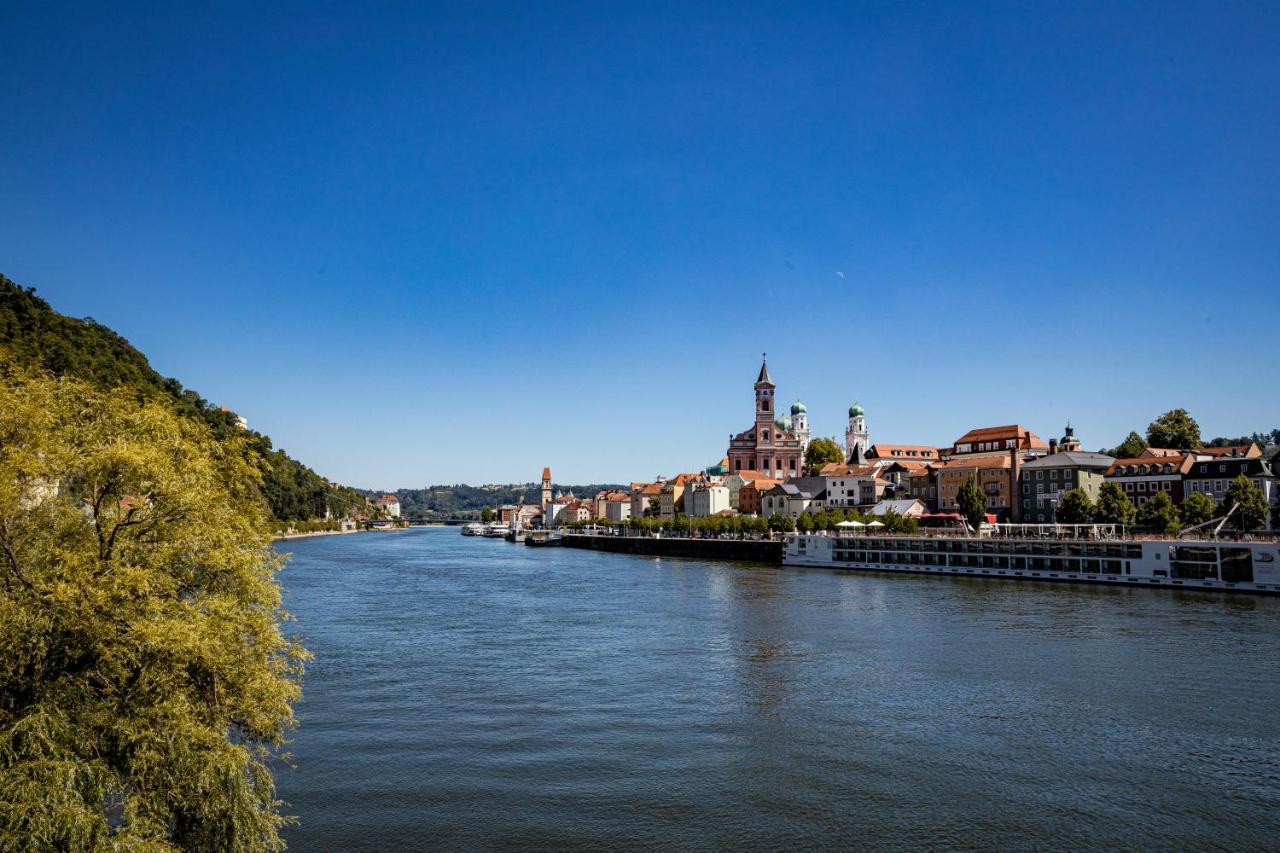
[[1001, 433], [885, 451]]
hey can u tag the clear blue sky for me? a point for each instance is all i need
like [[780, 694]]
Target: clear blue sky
[[420, 244]]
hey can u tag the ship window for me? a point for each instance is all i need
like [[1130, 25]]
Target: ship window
[[1237, 565]]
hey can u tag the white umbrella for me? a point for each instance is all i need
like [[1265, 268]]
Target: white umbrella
[[874, 524], [850, 524]]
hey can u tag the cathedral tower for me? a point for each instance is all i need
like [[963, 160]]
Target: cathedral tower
[[800, 423], [546, 487], [857, 435]]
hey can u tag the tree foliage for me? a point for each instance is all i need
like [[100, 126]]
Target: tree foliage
[[1250, 503], [1076, 508], [1175, 429], [1262, 439], [1130, 448], [972, 503], [819, 452], [144, 679], [1158, 514], [1197, 508], [1114, 507], [35, 335]]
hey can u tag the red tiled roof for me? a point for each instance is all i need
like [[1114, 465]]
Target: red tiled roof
[[1180, 464], [1001, 433], [885, 451]]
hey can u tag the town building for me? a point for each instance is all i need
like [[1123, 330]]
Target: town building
[[575, 510], [850, 486], [790, 500], [751, 495], [735, 481], [1212, 475], [617, 507], [546, 488], [1144, 477], [389, 504], [996, 479], [646, 498], [770, 446], [1043, 481], [671, 498], [923, 485], [703, 499], [999, 439]]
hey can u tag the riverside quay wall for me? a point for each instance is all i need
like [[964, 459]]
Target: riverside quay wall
[[757, 551]]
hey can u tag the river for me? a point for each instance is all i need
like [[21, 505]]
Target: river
[[470, 694]]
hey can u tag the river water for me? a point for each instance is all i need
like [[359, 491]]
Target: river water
[[470, 694]]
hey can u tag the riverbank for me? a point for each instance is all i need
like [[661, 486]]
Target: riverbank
[[308, 534], [753, 550]]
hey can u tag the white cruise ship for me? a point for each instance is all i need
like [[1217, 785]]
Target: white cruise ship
[[1218, 564]]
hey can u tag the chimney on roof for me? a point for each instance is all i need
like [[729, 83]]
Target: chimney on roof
[[1053, 446]]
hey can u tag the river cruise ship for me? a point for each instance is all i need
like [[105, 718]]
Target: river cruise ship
[[1050, 553]]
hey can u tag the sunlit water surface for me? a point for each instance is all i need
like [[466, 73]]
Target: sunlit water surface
[[471, 694]]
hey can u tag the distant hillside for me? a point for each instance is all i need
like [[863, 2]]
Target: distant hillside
[[462, 500], [34, 334]]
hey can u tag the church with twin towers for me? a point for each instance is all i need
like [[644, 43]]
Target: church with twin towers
[[776, 442]]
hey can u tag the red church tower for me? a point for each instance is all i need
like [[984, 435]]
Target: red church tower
[[769, 446]]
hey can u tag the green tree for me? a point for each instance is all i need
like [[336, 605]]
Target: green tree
[[1175, 429], [1250, 503], [780, 523], [1076, 508], [486, 515], [806, 523], [819, 452], [972, 503], [144, 679], [1197, 508], [1114, 507], [1131, 447], [1159, 514]]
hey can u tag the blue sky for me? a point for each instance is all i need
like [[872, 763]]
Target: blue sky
[[423, 243]]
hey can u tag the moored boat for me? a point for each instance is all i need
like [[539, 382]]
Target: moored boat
[[541, 538], [475, 528], [1022, 552]]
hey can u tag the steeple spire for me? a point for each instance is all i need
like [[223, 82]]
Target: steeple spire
[[764, 377]]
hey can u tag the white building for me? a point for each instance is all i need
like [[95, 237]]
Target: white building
[[390, 504], [618, 507], [853, 486], [702, 500]]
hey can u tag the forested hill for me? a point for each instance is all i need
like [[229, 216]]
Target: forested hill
[[34, 334], [461, 500]]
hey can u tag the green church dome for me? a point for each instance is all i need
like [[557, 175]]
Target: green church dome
[[783, 423], [797, 408], [856, 411]]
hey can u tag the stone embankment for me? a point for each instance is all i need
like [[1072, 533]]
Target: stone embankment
[[754, 550]]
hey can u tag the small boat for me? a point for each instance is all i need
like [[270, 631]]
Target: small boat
[[496, 530], [475, 528], [542, 538]]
